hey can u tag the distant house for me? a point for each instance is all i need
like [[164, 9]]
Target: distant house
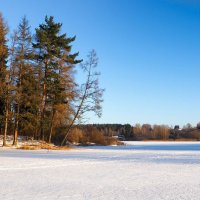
[[176, 127], [121, 137]]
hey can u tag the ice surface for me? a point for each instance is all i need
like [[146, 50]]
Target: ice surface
[[139, 170]]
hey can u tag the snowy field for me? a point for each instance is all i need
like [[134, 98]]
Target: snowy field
[[140, 170]]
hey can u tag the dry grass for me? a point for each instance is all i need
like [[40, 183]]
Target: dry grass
[[7, 145], [29, 147], [43, 145], [120, 143], [113, 141]]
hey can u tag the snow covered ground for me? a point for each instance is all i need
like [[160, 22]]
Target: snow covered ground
[[140, 170]]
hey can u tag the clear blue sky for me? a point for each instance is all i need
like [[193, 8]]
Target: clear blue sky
[[149, 53]]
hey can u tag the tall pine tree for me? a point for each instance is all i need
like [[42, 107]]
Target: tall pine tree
[[4, 101], [55, 61], [24, 80]]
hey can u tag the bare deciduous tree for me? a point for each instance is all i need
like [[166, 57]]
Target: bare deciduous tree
[[90, 94]]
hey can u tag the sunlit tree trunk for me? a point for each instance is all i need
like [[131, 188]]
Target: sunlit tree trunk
[[43, 104], [6, 122], [51, 127]]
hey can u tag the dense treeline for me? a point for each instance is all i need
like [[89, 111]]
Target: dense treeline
[[38, 92], [139, 132]]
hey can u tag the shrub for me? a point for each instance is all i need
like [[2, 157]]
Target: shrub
[[75, 136], [195, 134], [97, 137]]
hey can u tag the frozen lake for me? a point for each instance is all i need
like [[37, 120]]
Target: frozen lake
[[139, 170]]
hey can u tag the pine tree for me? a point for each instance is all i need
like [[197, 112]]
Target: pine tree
[[53, 54], [4, 101], [23, 78], [61, 95]]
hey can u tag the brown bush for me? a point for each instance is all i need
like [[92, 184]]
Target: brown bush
[[111, 141], [195, 134], [75, 136], [94, 135], [97, 137], [88, 135]]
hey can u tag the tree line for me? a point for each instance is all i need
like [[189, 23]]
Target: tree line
[[39, 95], [139, 132]]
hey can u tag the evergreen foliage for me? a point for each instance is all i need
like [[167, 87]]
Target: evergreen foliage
[[23, 79], [55, 62]]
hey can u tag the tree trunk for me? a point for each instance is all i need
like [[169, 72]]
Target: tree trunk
[[51, 128], [42, 112], [41, 127], [79, 108], [35, 134], [43, 105], [6, 123], [15, 139], [74, 119]]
